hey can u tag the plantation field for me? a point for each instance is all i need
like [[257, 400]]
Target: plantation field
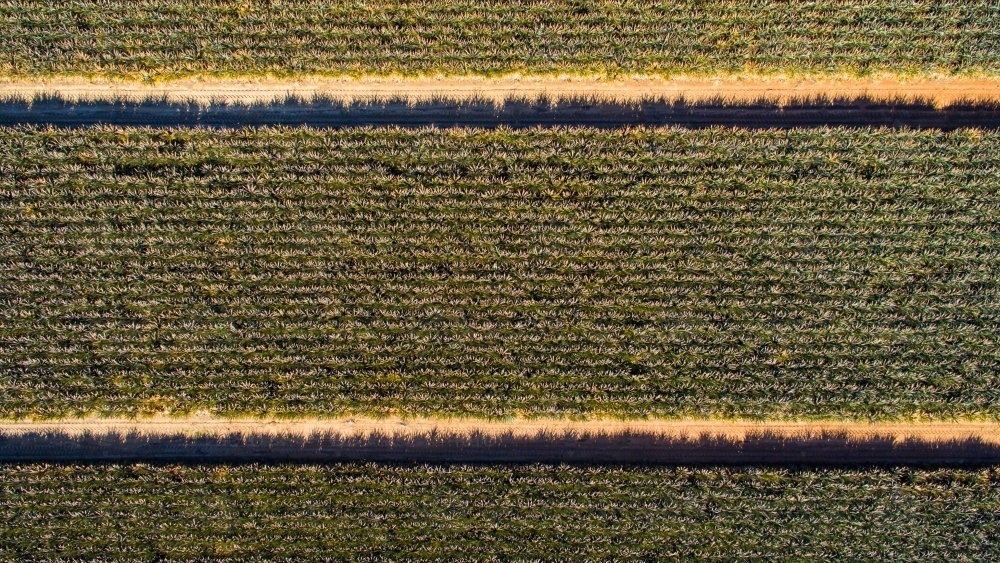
[[384, 512], [160, 39], [561, 272]]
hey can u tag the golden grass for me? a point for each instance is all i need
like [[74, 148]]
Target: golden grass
[[356, 426], [941, 91]]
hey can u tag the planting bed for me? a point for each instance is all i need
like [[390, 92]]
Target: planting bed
[[160, 39], [561, 272], [534, 512]]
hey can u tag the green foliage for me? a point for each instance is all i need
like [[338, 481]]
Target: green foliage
[[666, 272], [150, 39], [510, 513]]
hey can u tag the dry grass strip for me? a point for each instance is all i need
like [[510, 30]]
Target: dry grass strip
[[940, 91], [356, 426]]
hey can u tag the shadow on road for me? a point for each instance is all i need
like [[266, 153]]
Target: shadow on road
[[829, 450], [854, 112]]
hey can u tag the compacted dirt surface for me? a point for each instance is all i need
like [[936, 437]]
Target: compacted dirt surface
[[204, 438]]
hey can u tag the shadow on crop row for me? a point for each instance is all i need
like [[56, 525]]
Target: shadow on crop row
[[515, 113], [826, 450]]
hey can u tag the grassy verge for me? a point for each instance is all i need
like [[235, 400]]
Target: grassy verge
[[538, 428], [157, 39], [823, 273], [384, 512]]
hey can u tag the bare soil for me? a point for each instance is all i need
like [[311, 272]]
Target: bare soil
[[940, 91]]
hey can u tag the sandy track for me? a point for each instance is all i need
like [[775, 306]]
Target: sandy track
[[941, 91]]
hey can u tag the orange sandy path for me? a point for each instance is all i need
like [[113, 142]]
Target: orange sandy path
[[941, 91]]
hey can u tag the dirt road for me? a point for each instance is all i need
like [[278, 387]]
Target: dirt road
[[943, 103], [208, 439]]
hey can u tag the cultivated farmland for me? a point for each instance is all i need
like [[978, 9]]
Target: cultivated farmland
[[163, 39], [558, 272], [275, 259], [383, 512]]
